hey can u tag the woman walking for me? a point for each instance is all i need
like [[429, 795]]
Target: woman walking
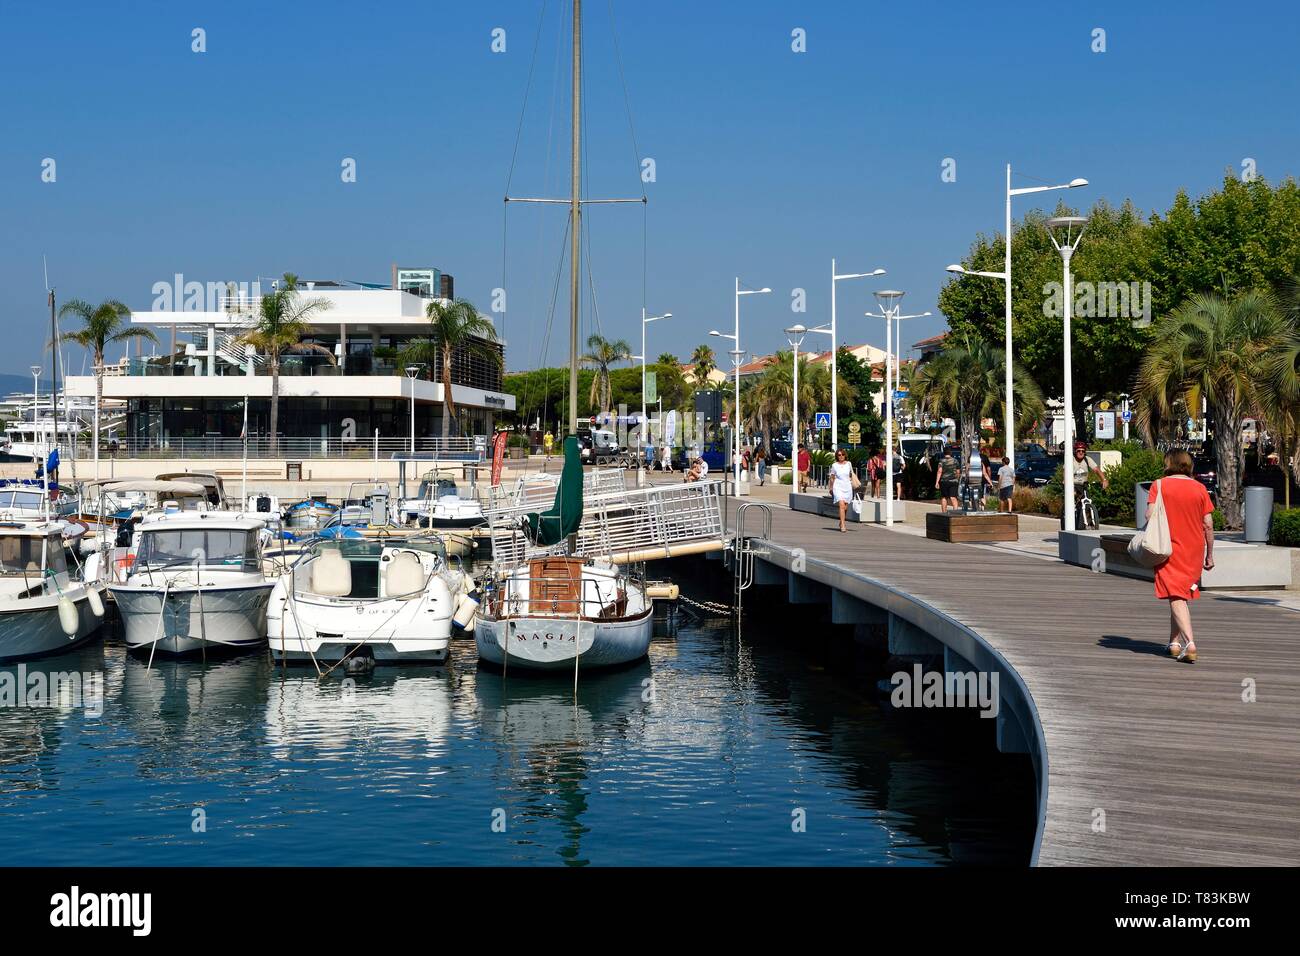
[[1191, 532], [760, 463], [842, 484]]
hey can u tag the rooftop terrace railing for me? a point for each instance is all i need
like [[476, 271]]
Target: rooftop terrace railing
[[460, 448]]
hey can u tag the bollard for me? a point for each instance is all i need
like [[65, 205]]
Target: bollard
[[1259, 513], [1140, 491]]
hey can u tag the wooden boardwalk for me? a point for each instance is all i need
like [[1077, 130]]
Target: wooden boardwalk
[[1185, 770]]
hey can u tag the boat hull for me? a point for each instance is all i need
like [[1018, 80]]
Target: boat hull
[[229, 617], [37, 632], [549, 643], [390, 631]]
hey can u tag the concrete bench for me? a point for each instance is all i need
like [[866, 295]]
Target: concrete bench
[[1237, 565]]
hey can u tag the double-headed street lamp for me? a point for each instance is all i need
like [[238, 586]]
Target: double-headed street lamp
[[1070, 230], [411, 372], [890, 302], [835, 353], [646, 320], [795, 334], [1005, 276], [736, 353]]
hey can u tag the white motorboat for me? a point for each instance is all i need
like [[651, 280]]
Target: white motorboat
[[43, 610], [193, 583], [386, 599], [441, 503], [562, 613]]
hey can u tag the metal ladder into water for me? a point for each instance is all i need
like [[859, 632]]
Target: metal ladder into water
[[742, 551]]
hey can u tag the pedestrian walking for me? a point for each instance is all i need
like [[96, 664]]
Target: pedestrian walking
[[760, 464], [649, 454], [548, 444], [1006, 486], [803, 463], [842, 484], [876, 471], [668, 458], [1189, 512], [977, 477]]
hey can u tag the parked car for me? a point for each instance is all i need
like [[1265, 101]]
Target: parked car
[[780, 451], [1035, 472], [1204, 469]]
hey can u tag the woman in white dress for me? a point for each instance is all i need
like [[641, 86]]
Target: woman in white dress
[[842, 484]]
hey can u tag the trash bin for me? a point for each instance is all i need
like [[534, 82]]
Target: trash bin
[[1259, 513], [1140, 491]]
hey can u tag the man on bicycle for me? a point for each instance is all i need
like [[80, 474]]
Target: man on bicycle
[[1081, 467]]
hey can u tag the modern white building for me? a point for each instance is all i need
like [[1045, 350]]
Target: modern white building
[[328, 402]]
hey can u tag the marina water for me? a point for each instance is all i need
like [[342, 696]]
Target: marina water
[[719, 750]]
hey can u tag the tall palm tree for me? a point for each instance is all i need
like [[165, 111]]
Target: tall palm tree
[[1280, 401], [282, 324], [1227, 349], [704, 364], [667, 358], [456, 328], [967, 382], [601, 354], [101, 326]]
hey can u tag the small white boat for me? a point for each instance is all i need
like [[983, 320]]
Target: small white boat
[[440, 503], [543, 614], [194, 582], [42, 609], [308, 515], [386, 599]]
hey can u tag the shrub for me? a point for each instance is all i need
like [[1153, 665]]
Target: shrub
[[517, 441], [1116, 503], [1286, 528], [787, 478], [1219, 523]]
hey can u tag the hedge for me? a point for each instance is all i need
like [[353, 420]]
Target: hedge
[[1286, 528]]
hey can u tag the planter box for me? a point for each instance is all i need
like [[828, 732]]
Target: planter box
[[957, 527]]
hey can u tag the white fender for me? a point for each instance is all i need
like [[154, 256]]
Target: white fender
[[95, 601], [68, 616]]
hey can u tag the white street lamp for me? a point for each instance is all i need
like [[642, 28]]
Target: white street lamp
[[411, 372], [1005, 275], [1070, 228], [645, 431], [735, 462], [36, 398], [890, 303], [796, 334], [835, 351]]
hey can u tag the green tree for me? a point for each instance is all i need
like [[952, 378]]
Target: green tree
[[101, 325], [967, 382], [1227, 349], [456, 328], [601, 354], [667, 358], [703, 363], [282, 323]]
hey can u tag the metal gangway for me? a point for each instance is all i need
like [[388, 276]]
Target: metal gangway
[[619, 524]]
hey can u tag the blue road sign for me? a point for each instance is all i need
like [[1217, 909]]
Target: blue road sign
[[1126, 415], [823, 420]]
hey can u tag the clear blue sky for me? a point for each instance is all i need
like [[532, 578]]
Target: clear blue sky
[[225, 165]]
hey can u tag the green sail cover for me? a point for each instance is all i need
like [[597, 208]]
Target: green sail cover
[[562, 518]]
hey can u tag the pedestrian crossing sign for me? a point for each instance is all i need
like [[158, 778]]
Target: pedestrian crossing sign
[[823, 420]]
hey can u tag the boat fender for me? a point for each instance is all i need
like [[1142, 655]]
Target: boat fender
[[466, 611], [662, 591], [95, 601], [68, 616]]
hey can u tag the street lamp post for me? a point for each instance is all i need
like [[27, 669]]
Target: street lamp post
[[1071, 230], [796, 334], [1005, 275], [835, 351], [411, 372], [735, 462], [645, 431], [889, 301]]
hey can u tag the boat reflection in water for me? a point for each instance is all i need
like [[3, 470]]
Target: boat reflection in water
[[551, 748]]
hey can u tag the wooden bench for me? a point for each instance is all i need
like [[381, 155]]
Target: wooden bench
[[957, 527]]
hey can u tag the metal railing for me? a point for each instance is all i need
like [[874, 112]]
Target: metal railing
[[536, 492], [458, 448], [622, 524], [561, 596]]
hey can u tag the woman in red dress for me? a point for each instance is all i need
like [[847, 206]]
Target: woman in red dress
[[1191, 531]]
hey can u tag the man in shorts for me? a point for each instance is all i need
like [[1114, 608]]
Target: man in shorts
[[947, 481], [1006, 486]]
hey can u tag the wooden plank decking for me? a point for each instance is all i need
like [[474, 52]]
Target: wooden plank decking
[[1185, 770]]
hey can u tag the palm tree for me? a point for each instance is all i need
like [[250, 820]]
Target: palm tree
[[456, 328], [1280, 401], [281, 326], [704, 364], [602, 353], [667, 358], [101, 326], [1227, 349], [967, 383]]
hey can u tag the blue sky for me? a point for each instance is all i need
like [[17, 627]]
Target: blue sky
[[226, 164]]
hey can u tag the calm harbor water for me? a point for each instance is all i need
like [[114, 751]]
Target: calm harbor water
[[702, 755]]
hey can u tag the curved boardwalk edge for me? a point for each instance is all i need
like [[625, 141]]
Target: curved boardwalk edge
[[1140, 760]]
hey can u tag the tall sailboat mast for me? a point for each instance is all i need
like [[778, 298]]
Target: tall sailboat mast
[[575, 217]]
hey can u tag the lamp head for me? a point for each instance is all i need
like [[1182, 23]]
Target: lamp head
[[1078, 182], [796, 330], [959, 269]]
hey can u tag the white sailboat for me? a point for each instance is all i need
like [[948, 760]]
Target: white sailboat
[[193, 583], [563, 612]]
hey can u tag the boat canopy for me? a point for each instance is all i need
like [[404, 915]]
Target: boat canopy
[[155, 486]]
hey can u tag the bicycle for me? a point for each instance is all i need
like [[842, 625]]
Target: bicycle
[[1085, 513]]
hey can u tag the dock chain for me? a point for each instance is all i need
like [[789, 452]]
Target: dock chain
[[709, 608]]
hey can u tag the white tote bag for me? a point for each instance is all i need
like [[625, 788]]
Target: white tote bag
[[1152, 545]]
